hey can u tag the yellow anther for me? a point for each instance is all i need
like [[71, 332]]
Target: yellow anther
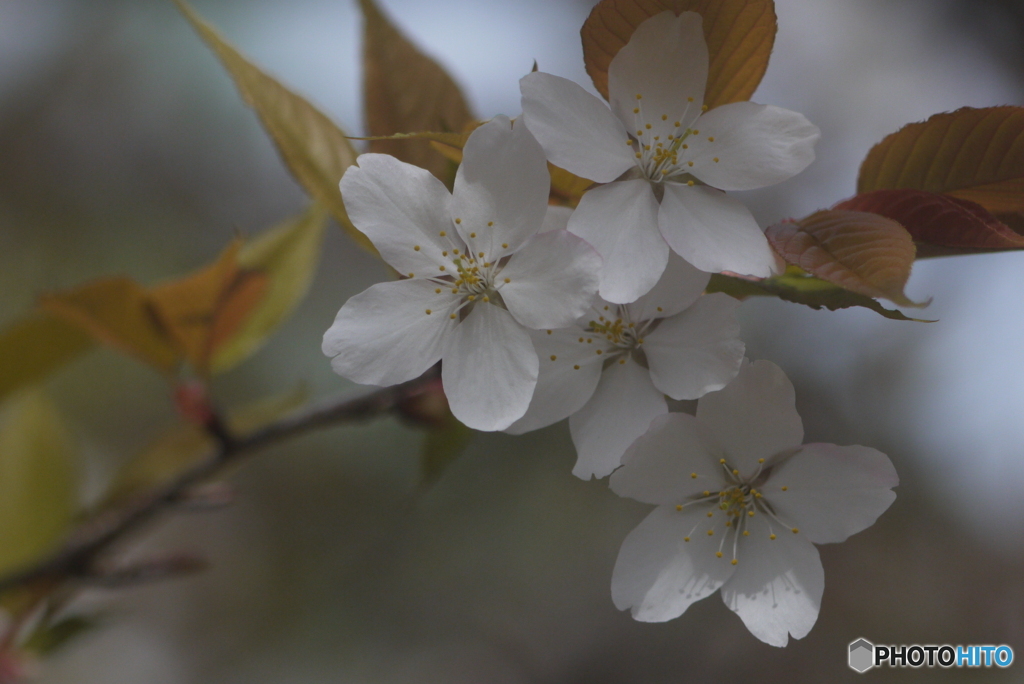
[[576, 367], [471, 298], [718, 554], [622, 362], [472, 235], [599, 352], [703, 108], [428, 312], [657, 137], [664, 117], [549, 332], [693, 476], [715, 160], [639, 96], [689, 99], [504, 245], [735, 472], [455, 252], [458, 220], [696, 132], [441, 267], [707, 493], [760, 460], [639, 132], [444, 234], [728, 523], [437, 291], [746, 533], [553, 357], [638, 155], [444, 253], [508, 280], [757, 495], [711, 533], [685, 539], [685, 146], [734, 561], [690, 183], [677, 124], [660, 309], [490, 223], [711, 138], [480, 254], [689, 163], [636, 110], [711, 514], [722, 461], [785, 489], [647, 148], [771, 536], [750, 514], [796, 530], [455, 290], [417, 248], [413, 275], [590, 340], [647, 126], [679, 507], [486, 298], [664, 172]]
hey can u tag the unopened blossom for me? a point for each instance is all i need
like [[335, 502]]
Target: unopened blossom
[[479, 272], [611, 371], [741, 503], [665, 160]]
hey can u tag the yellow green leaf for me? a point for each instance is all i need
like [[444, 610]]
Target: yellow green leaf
[[740, 35], [117, 312], [972, 154], [169, 455], [313, 147], [405, 90], [441, 446], [34, 347], [38, 480], [858, 251], [261, 412], [287, 257]]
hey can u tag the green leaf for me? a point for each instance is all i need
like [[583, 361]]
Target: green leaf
[[800, 287], [38, 480], [48, 638], [405, 90], [314, 148], [36, 346], [739, 33], [287, 256], [441, 446]]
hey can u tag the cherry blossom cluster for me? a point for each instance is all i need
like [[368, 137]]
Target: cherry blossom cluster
[[597, 315]]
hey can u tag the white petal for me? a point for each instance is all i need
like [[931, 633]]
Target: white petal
[[489, 369], [577, 130], [383, 336], [659, 467], [713, 231], [568, 375], [621, 221], [778, 583], [659, 575], [504, 180], [553, 280], [556, 218], [621, 409], [696, 351], [753, 417], [756, 145], [665, 61], [399, 207], [832, 491], [679, 287]]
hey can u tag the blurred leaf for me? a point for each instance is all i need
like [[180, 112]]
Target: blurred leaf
[[286, 257], [202, 310], [405, 90], [315, 150], [262, 412], [117, 312], [38, 480], [861, 252], [50, 637], [799, 287], [181, 447], [740, 35], [567, 187], [441, 446], [939, 224], [973, 154], [36, 346]]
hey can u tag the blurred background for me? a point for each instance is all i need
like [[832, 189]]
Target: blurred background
[[124, 149]]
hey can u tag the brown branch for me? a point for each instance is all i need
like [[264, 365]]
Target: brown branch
[[77, 558]]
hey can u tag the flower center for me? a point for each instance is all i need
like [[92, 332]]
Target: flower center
[[661, 156], [469, 273]]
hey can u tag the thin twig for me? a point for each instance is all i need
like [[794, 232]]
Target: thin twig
[[95, 536]]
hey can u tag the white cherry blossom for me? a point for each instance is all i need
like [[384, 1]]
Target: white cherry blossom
[[481, 269], [665, 160], [611, 371], [740, 502]]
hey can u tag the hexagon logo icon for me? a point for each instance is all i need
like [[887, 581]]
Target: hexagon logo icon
[[862, 655]]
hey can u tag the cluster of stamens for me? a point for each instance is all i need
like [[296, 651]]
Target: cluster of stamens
[[659, 159], [738, 501]]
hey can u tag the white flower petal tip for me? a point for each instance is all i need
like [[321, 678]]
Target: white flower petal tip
[[482, 265], [732, 519], [659, 131]]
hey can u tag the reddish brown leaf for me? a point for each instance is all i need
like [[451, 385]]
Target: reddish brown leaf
[[973, 154], [940, 224], [861, 252], [740, 35]]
